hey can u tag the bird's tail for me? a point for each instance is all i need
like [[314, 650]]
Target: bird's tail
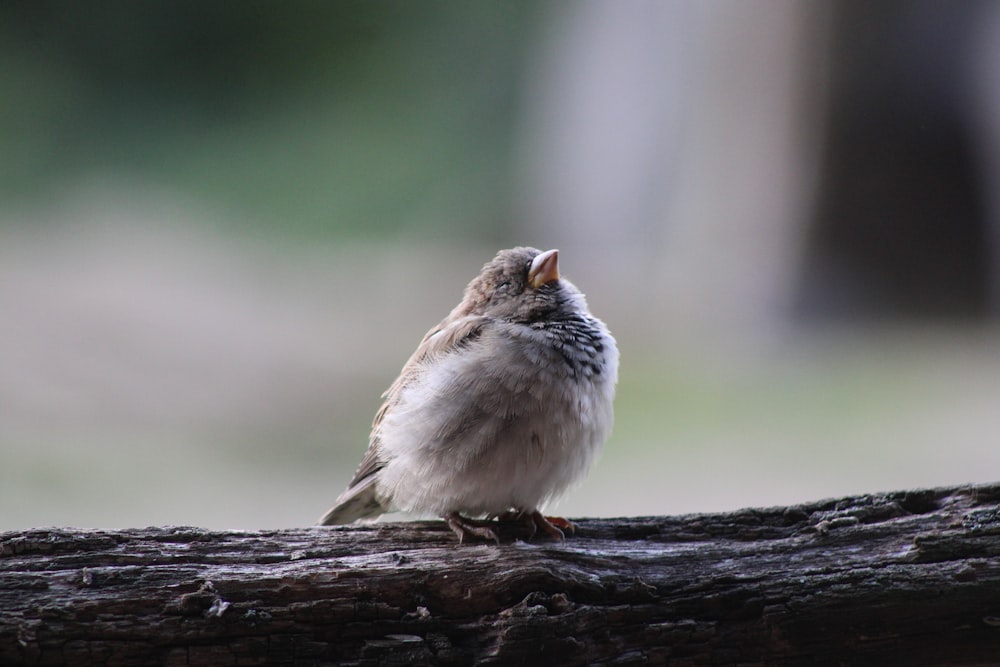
[[357, 502]]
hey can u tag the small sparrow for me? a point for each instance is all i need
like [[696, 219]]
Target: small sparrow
[[504, 405]]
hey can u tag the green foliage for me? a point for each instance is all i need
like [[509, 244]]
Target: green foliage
[[309, 119]]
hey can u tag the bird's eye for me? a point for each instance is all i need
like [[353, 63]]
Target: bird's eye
[[504, 286]]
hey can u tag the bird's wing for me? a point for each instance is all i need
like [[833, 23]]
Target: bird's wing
[[450, 335]]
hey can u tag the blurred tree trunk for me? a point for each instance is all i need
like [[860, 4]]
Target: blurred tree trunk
[[903, 578]]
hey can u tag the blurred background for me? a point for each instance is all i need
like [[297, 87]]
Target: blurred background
[[224, 226]]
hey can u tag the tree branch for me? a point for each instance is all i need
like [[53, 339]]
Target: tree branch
[[911, 577]]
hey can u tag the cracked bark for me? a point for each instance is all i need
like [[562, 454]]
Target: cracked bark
[[903, 578]]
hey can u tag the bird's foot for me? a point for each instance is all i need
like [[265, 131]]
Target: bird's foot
[[563, 524], [553, 526], [464, 527]]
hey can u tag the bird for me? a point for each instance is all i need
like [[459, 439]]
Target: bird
[[501, 409]]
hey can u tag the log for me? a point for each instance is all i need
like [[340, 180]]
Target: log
[[902, 578]]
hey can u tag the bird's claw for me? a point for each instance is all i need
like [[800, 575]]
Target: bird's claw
[[555, 527], [563, 524], [464, 527]]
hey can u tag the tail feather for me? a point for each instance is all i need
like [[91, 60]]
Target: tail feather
[[357, 502]]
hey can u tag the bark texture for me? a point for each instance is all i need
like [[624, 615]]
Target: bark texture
[[904, 578]]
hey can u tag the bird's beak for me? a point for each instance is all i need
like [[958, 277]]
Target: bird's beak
[[544, 269]]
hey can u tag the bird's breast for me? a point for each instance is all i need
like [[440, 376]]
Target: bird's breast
[[511, 420]]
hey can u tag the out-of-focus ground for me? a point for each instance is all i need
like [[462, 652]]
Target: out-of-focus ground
[[225, 226], [157, 375]]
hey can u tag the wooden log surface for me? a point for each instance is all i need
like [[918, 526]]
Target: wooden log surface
[[903, 578]]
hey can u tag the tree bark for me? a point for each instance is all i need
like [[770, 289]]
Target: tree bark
[[903, 578]]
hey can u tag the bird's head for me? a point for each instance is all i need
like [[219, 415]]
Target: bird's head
[[520, 285]]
